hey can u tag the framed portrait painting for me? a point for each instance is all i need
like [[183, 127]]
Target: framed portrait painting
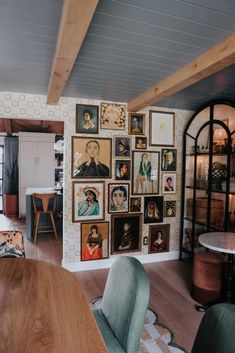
[[169, 159], [94, 241], [140, 142], [122, 146], [118, 198], [153, 209], [122, 169], [159, 238], [112, 116], [87, 201], [91, 157], [169, 208], [136, 124], [87, 119], [135, 204], [126, 233], [145, 173], [161, 128], [169, 183]]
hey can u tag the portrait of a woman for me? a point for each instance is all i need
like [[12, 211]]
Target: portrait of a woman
[[93, 249]]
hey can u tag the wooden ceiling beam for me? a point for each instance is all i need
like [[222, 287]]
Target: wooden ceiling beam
[[75, 20], [210, 62]]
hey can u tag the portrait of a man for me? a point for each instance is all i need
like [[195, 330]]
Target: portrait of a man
[[169, 159]]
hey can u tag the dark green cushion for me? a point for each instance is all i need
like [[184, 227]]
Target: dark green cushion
[[125, 301], [216, 333]]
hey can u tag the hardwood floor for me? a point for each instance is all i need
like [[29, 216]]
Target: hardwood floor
[[170, 284]]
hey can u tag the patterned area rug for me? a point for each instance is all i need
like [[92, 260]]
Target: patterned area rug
[[11, 244], [155, 337]]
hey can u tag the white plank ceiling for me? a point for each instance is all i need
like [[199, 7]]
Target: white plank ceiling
[[130, 45]]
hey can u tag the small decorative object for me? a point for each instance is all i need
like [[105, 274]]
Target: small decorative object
[[118, 198], [169, 208], [159, 238], [87, 119], [88, 201], [135, 204], [113, 116], [145, 173], [122, 146], [169, 183], [140, 143], [218, 173], [122, 169], [162, 128], [153, 209], [126, 233], [94, 241], [91, 157], [169, 159], [136, 124]]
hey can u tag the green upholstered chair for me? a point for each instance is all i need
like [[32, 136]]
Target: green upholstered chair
[[124, 304], [216, 333]]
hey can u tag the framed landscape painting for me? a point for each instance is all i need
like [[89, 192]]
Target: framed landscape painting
[[94, 241], [91, 157], [87, 201]]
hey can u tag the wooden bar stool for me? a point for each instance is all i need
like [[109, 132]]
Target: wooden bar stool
[[44, 204]]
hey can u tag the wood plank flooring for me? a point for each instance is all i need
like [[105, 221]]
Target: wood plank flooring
[[170, 284]]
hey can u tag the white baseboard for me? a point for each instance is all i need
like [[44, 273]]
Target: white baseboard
[[97, 265]]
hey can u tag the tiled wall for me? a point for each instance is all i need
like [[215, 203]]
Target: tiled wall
[[26, 106]]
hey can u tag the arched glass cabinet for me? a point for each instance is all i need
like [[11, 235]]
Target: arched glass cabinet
[[208, 182]]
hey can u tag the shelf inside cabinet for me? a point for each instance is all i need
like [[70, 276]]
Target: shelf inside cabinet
[[215, 191], [204, 224]]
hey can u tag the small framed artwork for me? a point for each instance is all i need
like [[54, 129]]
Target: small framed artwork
[[118, 198], [161, 128], [145, 173], [91, 157], [126, 233], [122, 169], [88, 201], [153, 209], [169, 159], [169, 183], [122, 146], [169, 208], [94, 241], [87, 119], [135, 204], [140, 143], [136, 124], [112, 116], [159, 238]]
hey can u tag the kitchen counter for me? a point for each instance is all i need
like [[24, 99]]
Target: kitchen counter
[[44, 219]]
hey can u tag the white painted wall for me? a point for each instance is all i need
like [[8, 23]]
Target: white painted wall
[[27, 106]]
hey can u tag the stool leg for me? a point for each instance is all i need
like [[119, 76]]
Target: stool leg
[[53, 224], [36, 227]]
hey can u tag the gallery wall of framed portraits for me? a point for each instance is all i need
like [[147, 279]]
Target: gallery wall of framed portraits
[[119, 137]]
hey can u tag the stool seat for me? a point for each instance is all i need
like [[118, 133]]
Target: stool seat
[[207, 278], [44, 204]]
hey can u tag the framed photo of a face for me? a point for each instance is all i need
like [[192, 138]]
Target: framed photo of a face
[[126, 233], [161, 128], [122, 146], [169, 159], [94, 241], [135, 204], [169, 183], [122, 169], [112, 116], [159, 238], [169, 208], [136, 124], [145, 173], [91, 157], [140, 142], [118, 198], [87, 119], [88, 201], [153, 209]]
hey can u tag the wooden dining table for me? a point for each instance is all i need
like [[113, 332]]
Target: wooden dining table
[[43, 309]]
